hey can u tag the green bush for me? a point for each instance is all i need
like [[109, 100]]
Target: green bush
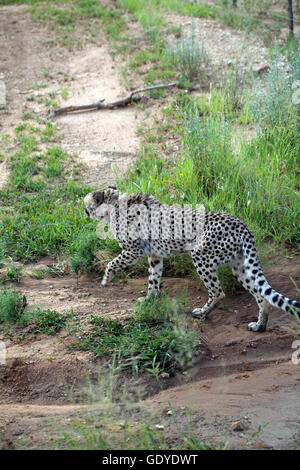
[[153, 339], [187, 55], [270, 102], [12, 308], [48, 321]]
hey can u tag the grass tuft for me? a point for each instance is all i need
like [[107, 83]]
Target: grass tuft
[[153, 339], [187, 55], [12, 308]]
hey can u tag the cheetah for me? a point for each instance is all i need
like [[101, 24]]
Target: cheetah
[[143, 226]]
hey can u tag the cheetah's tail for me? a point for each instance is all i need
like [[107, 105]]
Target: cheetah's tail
[[257, 280], [279, 300]]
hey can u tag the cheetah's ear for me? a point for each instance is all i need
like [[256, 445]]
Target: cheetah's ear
[[98, 197]]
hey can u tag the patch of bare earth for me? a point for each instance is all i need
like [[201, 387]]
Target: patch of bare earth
[[226, 47], [241, 382], [31, 55], [105, 140]]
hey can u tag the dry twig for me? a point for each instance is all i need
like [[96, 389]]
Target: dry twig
[[102, 104]]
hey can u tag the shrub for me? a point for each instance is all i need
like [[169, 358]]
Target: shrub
[[270, 102], [187, 55], [12, 307], [48, 321], [152, 339]]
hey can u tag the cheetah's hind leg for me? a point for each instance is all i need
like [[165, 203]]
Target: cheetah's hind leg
[[246, 276], [210, 279]]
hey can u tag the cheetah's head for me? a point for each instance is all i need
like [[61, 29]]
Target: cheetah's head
[[98, 203]]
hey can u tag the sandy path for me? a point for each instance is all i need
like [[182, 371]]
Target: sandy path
[[105, 141]]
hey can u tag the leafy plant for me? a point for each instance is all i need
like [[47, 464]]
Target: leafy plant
[[187, 55], [48, 321], [13, 273], [12, 307], [152, 338]]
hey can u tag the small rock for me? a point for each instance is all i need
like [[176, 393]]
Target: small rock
[[237, 426], [164, 375], [261, 68], [159, 426]]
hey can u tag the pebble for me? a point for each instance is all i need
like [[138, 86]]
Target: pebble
[[164, 375], [238, 426]]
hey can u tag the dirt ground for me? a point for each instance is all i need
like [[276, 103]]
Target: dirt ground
[[241, 382]]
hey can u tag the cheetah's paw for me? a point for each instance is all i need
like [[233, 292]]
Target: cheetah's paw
[[256, 326], [199, 313]]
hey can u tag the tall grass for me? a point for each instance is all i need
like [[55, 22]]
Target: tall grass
[[258, 182], [187, 55], [270, 102]]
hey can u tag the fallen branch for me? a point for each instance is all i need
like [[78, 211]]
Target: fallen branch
[[103, 105]]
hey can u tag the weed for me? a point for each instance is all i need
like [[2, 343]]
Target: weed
[[187, 55], [148, 340], [271, 102], [12, 308], [49, 322], [13, 273], [117, 421], [64, 93]]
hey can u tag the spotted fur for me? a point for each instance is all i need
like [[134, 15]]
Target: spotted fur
[[212, 239]]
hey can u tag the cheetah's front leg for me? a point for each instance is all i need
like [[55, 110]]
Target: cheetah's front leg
[[155, 272], [126, 258]]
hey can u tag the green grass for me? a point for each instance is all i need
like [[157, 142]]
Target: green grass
[[49, 322], [41, 210], [12, 308], [12, 273], [153, 339], [65, 16], [258, 182], [13, 313]]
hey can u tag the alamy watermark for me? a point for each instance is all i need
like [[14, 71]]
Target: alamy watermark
[[152, 223], [2, 353], [296, 93], [2, 92], [296, 354]]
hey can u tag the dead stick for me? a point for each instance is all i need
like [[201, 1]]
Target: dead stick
[[103, 105]]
